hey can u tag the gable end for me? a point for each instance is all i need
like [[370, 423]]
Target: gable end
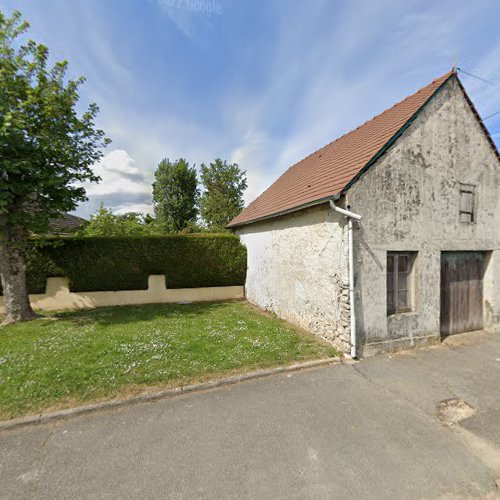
[[400, 132]]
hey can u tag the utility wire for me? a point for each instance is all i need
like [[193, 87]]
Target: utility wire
[[485, 81], [492, 114], [479, 78]]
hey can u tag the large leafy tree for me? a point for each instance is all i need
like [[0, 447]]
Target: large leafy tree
[[222, 199], [175, 194], [47, 150]]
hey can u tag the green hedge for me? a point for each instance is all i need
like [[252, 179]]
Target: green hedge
[[124, 263]]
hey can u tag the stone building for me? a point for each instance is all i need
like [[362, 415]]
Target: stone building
[[424, 176]]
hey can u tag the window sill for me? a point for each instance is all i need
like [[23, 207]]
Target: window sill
[[397, 314]]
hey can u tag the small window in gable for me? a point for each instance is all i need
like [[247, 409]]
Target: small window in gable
[[467, 203]]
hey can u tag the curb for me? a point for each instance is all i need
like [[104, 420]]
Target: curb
[[43, 418]]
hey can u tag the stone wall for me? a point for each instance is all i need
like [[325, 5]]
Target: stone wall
[[298, 269]]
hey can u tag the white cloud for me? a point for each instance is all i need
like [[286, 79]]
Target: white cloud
[[143, 208], [323, 72], [353, 71], [124, 186], [119, 174]]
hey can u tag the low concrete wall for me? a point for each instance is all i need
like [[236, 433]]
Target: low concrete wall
[[58, 296]]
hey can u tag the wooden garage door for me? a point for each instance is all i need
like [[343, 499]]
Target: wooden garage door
[[461, 292]]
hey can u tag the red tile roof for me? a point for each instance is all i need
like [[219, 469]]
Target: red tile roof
[[331, 169]]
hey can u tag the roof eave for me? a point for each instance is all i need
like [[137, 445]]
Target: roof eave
[[287, 211]]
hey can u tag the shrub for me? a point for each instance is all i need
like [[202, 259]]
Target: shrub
[[124, 263]]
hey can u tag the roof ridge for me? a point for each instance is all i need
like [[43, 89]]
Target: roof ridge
[[384, 125]]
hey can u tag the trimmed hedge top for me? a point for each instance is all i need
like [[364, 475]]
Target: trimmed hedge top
[[124, 263]]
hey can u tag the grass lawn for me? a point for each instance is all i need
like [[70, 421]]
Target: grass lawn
[[68, 358]]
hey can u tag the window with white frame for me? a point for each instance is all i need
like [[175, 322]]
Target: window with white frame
[[467, 203], [400, 281]]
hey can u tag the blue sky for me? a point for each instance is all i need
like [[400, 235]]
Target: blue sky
[[262, 83]]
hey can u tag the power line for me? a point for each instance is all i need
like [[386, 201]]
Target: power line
[[492, 114], [479, 78], [485, 81]]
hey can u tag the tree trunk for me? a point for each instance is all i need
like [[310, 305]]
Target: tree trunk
[[13, 274]]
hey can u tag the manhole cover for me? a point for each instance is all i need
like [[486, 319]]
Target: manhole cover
[[451, 411]]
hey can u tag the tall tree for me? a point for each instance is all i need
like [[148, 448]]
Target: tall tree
[[46, 151], [175, 194], [222, 198]]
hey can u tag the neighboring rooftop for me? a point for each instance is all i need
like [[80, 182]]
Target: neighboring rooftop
[[65, 223], [330, 170]]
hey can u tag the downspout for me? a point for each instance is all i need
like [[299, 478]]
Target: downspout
[[350, 216]]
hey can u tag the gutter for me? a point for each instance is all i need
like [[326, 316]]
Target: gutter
[[351, 216]]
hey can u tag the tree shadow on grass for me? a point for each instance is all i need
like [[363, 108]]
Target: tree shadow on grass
[[116, 315]]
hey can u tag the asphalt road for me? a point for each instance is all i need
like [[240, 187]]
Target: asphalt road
[[365, 430]]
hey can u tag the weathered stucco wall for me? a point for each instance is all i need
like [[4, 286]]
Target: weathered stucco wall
[[409, 201], [297, 268]]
